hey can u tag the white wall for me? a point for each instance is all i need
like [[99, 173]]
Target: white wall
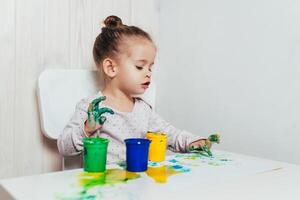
[[35, 34], [233, 67]]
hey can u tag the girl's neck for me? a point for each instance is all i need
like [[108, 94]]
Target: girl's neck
[[117, 99], [116, 94]]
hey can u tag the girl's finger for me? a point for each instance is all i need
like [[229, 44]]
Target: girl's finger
[[102, 120], [208, 143], [98, 126]]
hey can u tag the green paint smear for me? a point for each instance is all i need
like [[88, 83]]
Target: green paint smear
[[214, 164], [110, 177], [89, 180], [212, 161], [76, 197], [192, 155]]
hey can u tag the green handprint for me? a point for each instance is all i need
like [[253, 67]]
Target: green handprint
[[95, 112]]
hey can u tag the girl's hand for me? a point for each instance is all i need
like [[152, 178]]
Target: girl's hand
[[95, 119], [204, 145], [199, 144], [91, 128]]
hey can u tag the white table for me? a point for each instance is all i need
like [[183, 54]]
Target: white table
[[226, 176]]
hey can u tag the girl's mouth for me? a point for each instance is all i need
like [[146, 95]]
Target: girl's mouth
[[146, 85]]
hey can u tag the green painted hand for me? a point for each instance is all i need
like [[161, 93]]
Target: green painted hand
[[95, 112], [206, 146]]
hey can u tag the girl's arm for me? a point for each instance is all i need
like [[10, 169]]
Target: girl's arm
[[70, 141], [85, 122], [177, 140]]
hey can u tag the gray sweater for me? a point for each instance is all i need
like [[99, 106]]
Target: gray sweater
[[120, 126]]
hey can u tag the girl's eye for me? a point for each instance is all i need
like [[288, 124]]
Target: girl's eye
[[139, 68]]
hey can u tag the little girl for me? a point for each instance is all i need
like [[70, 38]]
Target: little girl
[[125, 56]]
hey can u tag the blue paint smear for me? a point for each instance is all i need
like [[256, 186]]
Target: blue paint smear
[[152, 164], [177, 166], [181, 168], [173, 161]]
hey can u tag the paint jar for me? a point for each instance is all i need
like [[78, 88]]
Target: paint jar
[[158, 146], [94, 154], [137, 150]]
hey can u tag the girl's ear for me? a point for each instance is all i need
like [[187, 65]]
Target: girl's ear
[[109, 67]]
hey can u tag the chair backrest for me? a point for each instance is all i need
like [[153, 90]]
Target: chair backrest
[[59, 90]]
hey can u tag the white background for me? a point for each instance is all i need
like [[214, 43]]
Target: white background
[[233, 67]]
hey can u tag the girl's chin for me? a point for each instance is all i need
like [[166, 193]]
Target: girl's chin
[[136, 91], [139, 92]]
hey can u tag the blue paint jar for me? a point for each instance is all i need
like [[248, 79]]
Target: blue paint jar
[[137, 150]]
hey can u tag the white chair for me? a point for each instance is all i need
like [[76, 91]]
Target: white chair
[[58, 91]]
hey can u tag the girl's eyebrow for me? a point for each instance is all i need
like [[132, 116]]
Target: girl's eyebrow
[[145, 61]]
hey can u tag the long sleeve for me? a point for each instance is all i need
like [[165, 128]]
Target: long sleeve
[[70, 141], [177, 140]]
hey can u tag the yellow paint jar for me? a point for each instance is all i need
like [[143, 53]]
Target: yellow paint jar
[[158, 146]]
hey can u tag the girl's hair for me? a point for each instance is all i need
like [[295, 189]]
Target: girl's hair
[[109, 40]]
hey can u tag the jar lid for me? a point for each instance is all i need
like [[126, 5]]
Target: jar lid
[[156, 135], [95, 140]]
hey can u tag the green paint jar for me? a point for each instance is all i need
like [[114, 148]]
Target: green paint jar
[[94, 154]]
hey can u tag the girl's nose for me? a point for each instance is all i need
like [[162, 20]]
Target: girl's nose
[[148, 73]]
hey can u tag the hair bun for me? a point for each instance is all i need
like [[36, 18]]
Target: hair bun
[[113, 22]]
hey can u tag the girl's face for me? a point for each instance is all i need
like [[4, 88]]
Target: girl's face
[[135, 65]]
